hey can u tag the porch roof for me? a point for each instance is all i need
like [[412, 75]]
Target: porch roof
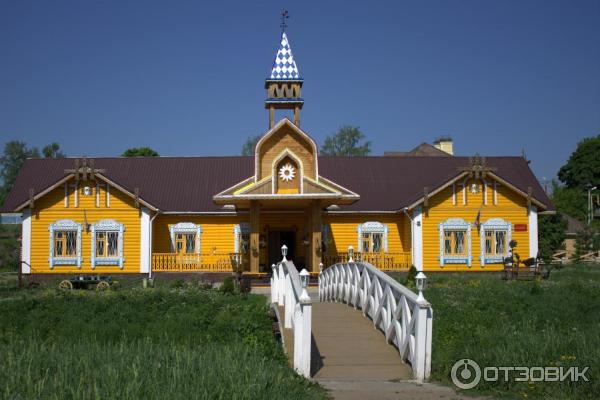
[[188, 184]]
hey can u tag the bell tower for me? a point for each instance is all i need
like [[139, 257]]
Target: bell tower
[[284, 84]]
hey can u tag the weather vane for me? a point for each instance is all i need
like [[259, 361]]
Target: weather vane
[[284, 15]]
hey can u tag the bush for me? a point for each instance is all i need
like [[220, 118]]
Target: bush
[[409, 281], [178, 283], [228, 286]]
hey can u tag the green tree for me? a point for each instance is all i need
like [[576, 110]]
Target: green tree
[[15, 154], [552, 233], [570, 201], [248, 147], [52, 150], [583, 167], [140, 152], [346, 143], [587, 240]]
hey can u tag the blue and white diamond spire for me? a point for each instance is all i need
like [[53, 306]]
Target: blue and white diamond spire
[[284, 66]]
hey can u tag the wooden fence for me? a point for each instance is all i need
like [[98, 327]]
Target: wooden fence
[[210, 262]]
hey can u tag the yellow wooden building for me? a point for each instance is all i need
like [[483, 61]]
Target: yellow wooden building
[[147, 215]]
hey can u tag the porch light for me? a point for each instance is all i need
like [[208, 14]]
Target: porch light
[[350, 254], [284, 251], [421, 282], [304, 277]]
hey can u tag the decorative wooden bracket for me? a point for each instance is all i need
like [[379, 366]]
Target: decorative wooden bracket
[[529, 193], [477, 168], [81, 169], [136, 191], [425, 196]]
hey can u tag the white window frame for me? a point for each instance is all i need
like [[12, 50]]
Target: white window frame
[[494, 224], [186, 227], [65, 225], [372, 227], [107, 225], [238, 231], [453, 224]]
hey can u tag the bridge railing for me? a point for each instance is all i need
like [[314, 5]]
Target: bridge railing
[[404, 318], [289, 291]]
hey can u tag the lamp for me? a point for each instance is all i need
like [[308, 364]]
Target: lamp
[[350, 254], [284, 251], [304, 277], [421, 282]]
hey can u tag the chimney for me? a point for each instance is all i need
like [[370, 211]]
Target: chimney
[[445, 144]]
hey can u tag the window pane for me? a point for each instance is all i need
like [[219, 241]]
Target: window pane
[[500, 242], [377, 242], [447, 243], [190, 243], [58, 249], [100, 247], [459, 246], [71, 243], [366, 247], [488, 242], [112, 247]]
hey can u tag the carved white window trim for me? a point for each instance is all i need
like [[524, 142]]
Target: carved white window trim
[[108, 225], [454, 224], [65, 225], [372, 227], [185, 227], [239, 230], [107, 195], [494, 224]]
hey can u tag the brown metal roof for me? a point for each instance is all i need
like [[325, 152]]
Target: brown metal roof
[[189, 183]]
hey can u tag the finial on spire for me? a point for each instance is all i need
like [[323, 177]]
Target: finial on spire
[[284, 15]]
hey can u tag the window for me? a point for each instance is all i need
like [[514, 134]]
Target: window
[[185, 243], [107, 243], [241, 237], [495, 235], [185, 238], [372, 237], [371, 242], [455, 242], [65, 243]]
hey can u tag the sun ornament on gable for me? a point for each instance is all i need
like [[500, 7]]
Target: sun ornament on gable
[[287, 172]]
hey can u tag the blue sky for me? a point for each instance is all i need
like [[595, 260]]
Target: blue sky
[[186, 78]]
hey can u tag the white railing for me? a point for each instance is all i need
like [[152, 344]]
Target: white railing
[[288, 289], [404, 318]]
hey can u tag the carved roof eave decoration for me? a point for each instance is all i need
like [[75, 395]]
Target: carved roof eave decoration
[[100, 176], [462, 175], [244, 192]]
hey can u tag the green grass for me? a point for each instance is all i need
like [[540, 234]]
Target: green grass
[[152, 344], [516, 323]]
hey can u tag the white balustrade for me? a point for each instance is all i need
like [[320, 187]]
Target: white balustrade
[[288, 289], [404, 318]]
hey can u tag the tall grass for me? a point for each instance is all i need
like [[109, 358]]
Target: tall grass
[[516, 323], [143, 344]]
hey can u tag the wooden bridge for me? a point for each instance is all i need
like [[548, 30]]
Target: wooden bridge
[[360, 325]]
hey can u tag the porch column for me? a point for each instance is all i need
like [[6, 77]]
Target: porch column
[[254, 235], [315, 246]]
